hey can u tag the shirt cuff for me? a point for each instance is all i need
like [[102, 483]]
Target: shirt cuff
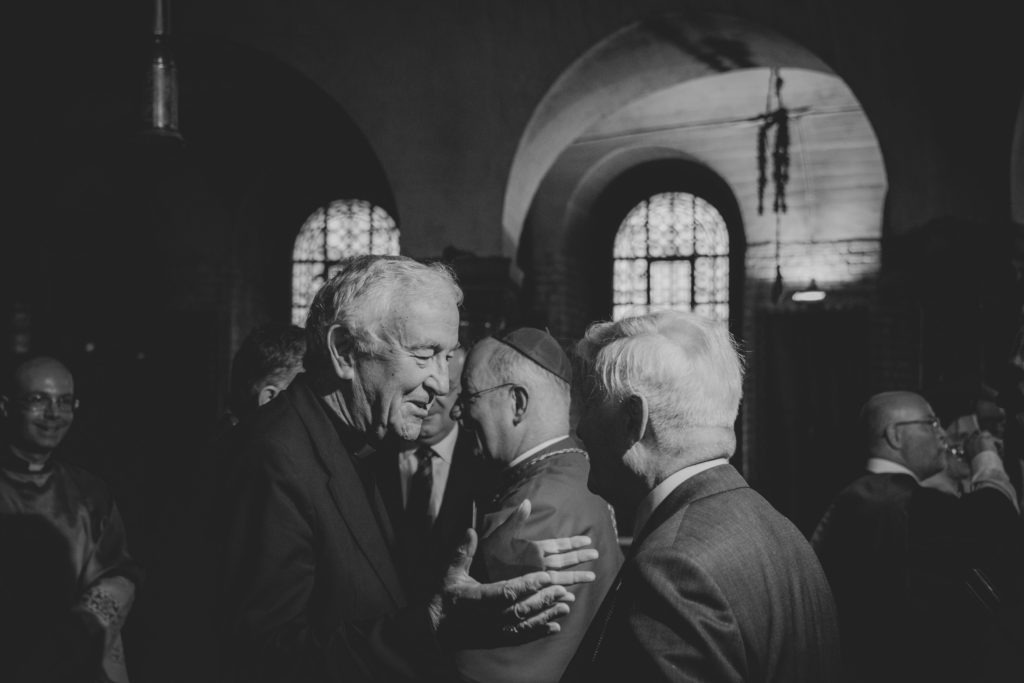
[[987, 471]]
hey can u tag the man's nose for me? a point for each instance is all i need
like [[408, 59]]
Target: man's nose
[[437, 381]]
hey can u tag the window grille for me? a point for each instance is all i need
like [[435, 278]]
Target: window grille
[[671, 252], [346, 227]]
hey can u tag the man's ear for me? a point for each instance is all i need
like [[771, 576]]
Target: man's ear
[[892, 436], [520, 402], [267, 393], [343, 361], [637, 417]]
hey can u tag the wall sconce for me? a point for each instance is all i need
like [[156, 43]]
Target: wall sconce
[[810, 294]]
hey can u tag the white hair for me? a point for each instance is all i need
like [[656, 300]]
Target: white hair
[[686, 366], [362, 298]]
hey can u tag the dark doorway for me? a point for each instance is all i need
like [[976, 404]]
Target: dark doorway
[[811, 381]]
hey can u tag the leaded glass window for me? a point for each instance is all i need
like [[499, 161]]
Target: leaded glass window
[[672, 252], [346, 227]]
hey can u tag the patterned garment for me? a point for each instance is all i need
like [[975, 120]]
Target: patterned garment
[[555, 482], [67, 580]]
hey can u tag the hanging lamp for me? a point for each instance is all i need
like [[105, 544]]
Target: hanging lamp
[[160, 116]]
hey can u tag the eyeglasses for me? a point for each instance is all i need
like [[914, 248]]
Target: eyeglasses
[[933, 421], [466, 399], [38, 403]]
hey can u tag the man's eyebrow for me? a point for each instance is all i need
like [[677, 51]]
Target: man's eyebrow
[[424, 346]]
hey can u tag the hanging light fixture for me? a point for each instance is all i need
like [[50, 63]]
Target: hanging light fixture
[[160, 116], [810, 294], [777, 286], [774, 118]]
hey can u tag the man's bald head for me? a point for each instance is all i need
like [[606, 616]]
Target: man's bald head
[[38, 406], [510, 401], [900, 426]]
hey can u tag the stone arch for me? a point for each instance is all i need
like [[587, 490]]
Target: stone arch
[[638, 62]]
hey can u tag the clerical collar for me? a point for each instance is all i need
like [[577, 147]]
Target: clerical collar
[[536, 449], [10, 461], [883, 466]]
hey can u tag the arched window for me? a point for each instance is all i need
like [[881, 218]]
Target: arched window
[[672, 252], [346, 227]]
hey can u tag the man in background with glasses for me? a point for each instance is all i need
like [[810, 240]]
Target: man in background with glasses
[[926, 584], [66, 579]]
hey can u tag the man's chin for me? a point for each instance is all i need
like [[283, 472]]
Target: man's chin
[[47, 440], [409, 429]]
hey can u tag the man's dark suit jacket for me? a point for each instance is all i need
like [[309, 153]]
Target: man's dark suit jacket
[[453, 518], [310, 587], [901, 559], [718, 586], [555, 481]]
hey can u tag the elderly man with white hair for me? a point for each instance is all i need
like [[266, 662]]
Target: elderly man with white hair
[[717, 585], [311, 588]]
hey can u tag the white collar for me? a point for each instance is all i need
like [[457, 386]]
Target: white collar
[[883, 466], [536, 449], [445, 448], [660, 492]]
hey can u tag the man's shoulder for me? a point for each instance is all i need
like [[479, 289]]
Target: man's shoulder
[[730, 533], [81, 476], [880, 501], [881, 490], [550, 478], [86, 487], [281, 435]]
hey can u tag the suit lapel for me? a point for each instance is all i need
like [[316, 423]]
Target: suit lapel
[[347, 492], [703, 484], [455, 514], [709, 482], [389, 482]]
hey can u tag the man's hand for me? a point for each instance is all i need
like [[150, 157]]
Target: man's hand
[[473, 614], [524, 555], [559, 553], [979, 442]]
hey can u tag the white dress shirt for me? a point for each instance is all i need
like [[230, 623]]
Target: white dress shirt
[[440, 465], [660, 492]]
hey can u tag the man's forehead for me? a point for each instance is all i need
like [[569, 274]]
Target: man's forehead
[[428, 324], [43, 374], [476, 369], [914, 408]]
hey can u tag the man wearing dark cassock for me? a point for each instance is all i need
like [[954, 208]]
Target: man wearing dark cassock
[[66, 580]]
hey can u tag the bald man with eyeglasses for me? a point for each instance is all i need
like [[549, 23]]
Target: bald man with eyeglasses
[[927, 584], [67, 581]]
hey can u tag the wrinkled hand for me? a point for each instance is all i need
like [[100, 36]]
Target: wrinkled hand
[[468, 613]]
